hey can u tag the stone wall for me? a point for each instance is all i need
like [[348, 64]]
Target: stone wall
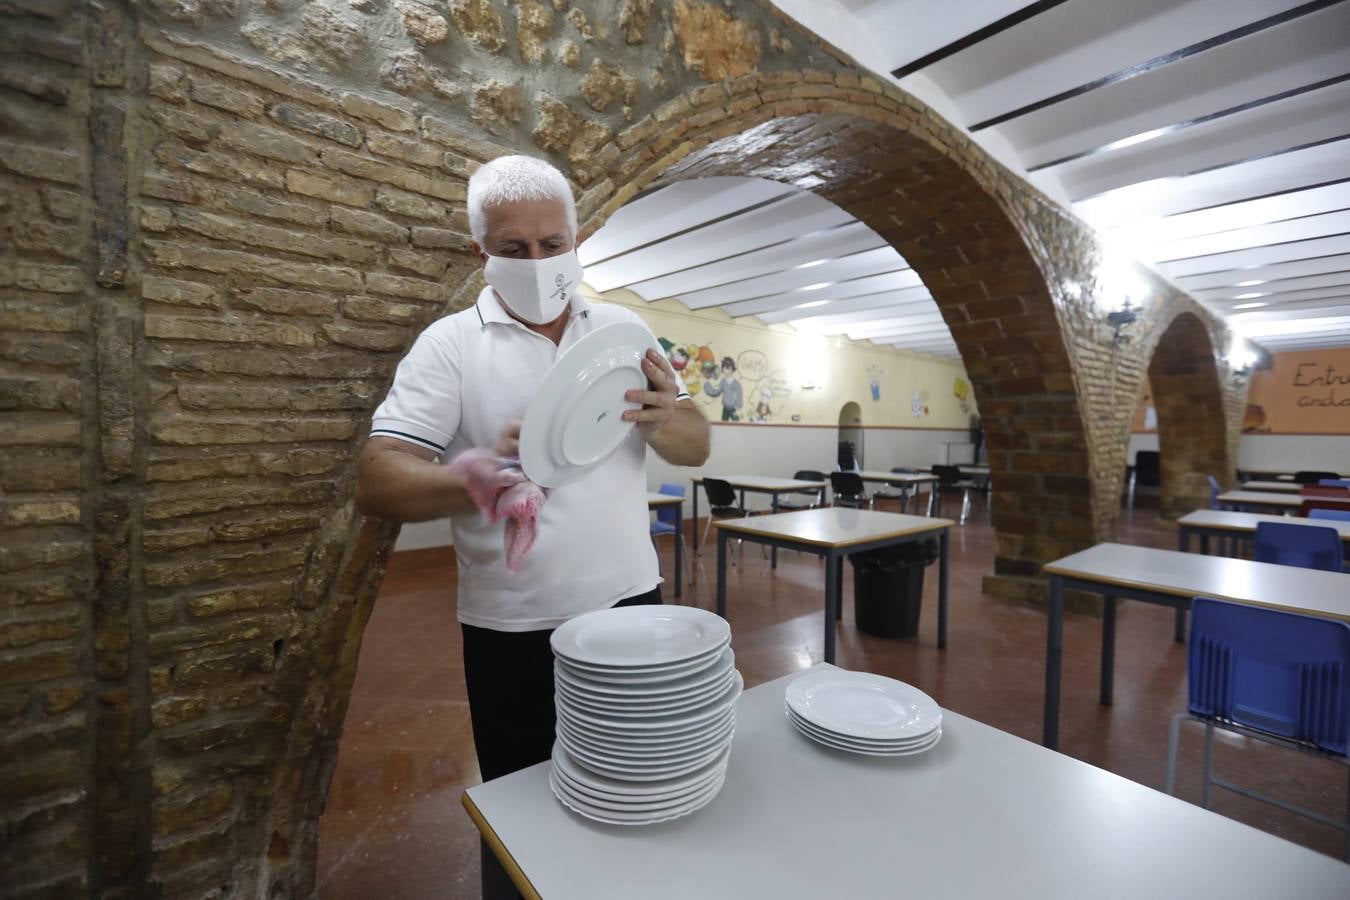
[[224, 222]]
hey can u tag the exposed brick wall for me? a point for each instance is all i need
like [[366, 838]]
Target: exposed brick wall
[[224, 223]]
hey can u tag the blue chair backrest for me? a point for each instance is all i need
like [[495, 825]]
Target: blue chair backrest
[[1308, 546], [666, 514], [1214, 491], [1279, 672], [1341, 515], [1333, 482]]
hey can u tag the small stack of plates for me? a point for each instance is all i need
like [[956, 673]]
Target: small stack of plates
[[864, 713], [646, 701]]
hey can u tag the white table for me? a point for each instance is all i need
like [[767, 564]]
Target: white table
[[1275, 487], [983, 814], [665, 501], [1259, 501], [759, 484], [907, 482], [1172, 578], [1241, 526], [834, 533]]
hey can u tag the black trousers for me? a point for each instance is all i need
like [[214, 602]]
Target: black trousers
[[509, 675]]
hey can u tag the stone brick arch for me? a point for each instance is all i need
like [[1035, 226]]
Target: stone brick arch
[[1186, 377], [905, 177]]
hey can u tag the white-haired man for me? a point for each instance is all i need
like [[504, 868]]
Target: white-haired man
[[465, 385]]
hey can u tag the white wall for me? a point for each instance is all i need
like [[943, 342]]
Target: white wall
[[1291, 452]]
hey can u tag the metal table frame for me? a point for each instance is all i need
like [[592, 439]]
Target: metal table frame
[[679, 539], [1236, 535], [773, 505], [909, 487], [1054, 641], [834, 571]]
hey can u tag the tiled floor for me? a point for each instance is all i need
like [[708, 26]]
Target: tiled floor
[[394, 827]]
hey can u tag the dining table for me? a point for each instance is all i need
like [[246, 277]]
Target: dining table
[[656, 501], [835, 533], [759, 484], [984, 813], [1173, 579]]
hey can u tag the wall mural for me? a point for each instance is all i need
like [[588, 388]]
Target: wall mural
[[1307, 392], [743, 387]]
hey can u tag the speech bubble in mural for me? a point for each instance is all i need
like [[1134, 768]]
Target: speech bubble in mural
[[752, 365], [780, 384]]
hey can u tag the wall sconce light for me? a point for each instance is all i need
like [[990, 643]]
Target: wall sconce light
[[1121, 319]]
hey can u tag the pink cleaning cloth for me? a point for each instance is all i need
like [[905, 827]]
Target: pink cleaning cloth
[[501, 491], [486, 476], [519, 505]]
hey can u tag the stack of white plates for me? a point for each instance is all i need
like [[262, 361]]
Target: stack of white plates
[[863, 713], [646, 700]]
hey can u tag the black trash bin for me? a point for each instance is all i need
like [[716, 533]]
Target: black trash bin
[[888, 588]]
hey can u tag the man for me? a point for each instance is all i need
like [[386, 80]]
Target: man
[[465, 384]]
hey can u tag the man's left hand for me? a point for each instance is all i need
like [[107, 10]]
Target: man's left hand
[[658, 404]]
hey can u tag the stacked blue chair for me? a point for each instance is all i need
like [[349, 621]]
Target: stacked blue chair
[[1307, 546], [665, 524], [1279, 677], [1339, 515], [1334, 482]]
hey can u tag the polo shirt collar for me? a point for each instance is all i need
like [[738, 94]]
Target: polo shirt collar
[[491, 310]]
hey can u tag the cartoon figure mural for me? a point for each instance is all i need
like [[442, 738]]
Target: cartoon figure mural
[[762, 411], [961, 391], [874, 374], [728, 388]]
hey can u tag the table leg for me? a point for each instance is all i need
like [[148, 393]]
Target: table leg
[[943, 553], [1204, 543], [773, 548], [679, 554], [1179, 626], [695, 486], [1054, 646], [839, 580], [1108, 649], [831, 602], [722, 540], [1184, 539], [496, 884]]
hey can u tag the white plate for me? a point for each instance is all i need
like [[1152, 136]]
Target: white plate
[[590, 781], [575, 420], [636, 710], [640, 638], [624, 771], [675, 685], [635, 679], [635, 750], [668, 724], [629, 804], [863, 705], [634, 792], [865, 743], [839, 744], [612, 817], [701, 731]]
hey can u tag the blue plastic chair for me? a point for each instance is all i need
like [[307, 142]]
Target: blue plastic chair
[[1339, 515], [1307, 546], [665, 523], [1214, 491], [1279, 677], [1333, 482]]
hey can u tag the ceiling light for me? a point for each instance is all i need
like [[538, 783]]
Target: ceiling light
[[1249, 283], [812, 264], [1252, 295], [817, 286], [811, 304], [1250, 305]]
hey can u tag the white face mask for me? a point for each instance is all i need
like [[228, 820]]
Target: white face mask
[[536, 290]]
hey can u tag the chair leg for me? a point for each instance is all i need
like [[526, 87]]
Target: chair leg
[[684, 552], [703, 541], [965, 505], [1129, 503], [1173, 738], [1209, 765]]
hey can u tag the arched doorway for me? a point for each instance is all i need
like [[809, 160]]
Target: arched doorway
[[851, 433], [1192, 424]]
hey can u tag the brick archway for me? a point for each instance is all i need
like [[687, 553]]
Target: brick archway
[[1192, 428], [967, 245]]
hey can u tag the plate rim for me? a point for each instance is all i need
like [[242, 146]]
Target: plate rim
[[568, 631]]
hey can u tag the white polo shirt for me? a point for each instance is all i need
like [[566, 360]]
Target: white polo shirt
[[465, 379]]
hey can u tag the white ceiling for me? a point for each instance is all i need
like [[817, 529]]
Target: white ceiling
[[1208, 138]]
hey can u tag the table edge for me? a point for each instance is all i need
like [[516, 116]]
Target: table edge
[[938, 525], [513, 869]]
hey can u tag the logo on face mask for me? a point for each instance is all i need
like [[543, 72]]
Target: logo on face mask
[[560, 292], [536, 290]]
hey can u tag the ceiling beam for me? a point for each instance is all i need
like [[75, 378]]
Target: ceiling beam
[[993, 28]]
